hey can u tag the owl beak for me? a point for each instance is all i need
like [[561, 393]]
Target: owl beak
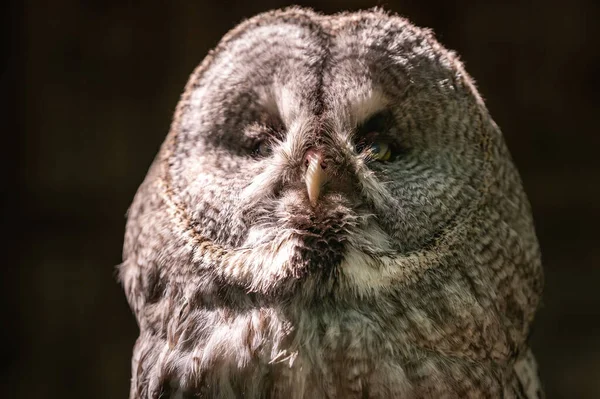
[[315, 175]]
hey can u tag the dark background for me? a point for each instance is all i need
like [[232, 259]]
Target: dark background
[[88, 91]]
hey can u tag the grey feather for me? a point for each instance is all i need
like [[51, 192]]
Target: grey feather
[[416, 277]]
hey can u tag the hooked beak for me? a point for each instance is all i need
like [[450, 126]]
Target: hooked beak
[[315, 175]]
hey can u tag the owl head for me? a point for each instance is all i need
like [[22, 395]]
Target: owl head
[[327, 156], [330, 179]]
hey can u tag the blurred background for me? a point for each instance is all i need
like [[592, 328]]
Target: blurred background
[[88, 93]]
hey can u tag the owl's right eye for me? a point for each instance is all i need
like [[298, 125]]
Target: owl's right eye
[[263, 148], [263, 134]]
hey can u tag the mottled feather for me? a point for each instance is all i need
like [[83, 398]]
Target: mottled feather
[[416, 277]]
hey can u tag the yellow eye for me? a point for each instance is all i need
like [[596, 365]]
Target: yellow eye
[[380, 151]]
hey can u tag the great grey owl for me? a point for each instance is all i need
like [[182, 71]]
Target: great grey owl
[[334, 214]]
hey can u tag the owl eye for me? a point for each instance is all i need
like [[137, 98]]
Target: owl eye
[[263, 149], [263, 134], [379, 151], [373, 137], [375, 148]]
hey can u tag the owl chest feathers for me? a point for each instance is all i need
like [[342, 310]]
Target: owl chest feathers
[[332, 349], [270, 352]]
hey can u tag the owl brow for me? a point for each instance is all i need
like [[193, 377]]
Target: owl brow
[[267, 125], [377, 122], [256, 133], [377, 126]]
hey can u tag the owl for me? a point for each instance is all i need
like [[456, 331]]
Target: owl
[[333, 214]]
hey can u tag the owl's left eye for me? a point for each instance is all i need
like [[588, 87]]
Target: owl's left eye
[[379, 151], [373, 139], [376, 150]]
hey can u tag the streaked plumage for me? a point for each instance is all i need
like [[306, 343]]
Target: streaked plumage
[[413, 274]]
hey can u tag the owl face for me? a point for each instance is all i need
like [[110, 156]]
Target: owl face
[[302, 140]]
